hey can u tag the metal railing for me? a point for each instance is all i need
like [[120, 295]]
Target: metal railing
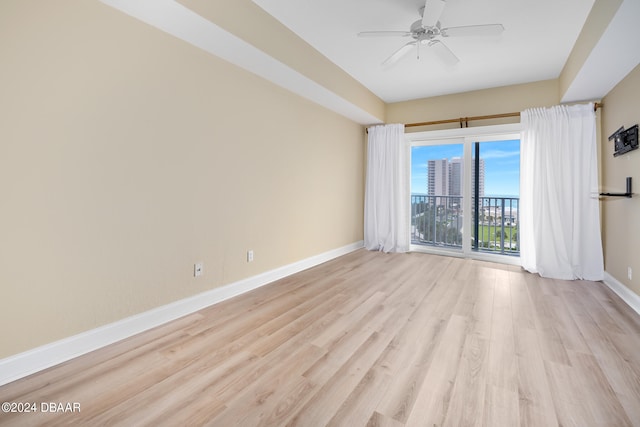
[[438, 221], [496, 225]]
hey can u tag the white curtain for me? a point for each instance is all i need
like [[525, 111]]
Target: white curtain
[[559, 214], [387, 190]]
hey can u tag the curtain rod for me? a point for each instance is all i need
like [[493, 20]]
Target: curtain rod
[[465, 120]]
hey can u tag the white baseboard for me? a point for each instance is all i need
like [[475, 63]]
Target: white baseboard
[[37, 359], [631, 298]]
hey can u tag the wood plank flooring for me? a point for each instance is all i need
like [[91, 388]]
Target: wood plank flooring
[[368, 339]]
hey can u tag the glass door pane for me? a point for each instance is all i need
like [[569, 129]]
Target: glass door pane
[[494, 202], [437, 184]]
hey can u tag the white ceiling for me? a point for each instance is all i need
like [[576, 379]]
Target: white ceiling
[[535, 45]]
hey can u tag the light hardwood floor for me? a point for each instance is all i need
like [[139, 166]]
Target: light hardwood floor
[[368, 339]]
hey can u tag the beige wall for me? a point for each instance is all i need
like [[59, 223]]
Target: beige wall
[[621, 216], [251, 23], [498, 100], [127, 155]]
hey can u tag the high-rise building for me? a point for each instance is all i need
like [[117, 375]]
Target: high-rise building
[[456, 175], [446, 177], [438, 177]]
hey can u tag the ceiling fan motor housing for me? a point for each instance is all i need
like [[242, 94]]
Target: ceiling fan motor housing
[[418, 32]]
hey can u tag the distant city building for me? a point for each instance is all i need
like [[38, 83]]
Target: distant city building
[[446, 177], [438, 177], [456, 175]]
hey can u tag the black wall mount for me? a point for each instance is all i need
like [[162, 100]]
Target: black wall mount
[[629, 193], [624, 140]]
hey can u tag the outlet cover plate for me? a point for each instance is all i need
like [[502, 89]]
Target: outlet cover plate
[[198, 269]]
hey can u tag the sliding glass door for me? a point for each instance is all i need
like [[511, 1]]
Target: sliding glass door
[[465, 191]]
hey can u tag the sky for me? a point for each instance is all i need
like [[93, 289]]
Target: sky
[[501, 165]]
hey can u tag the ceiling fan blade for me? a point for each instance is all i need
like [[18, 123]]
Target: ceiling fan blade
[[384, 34], [432, 11], [443, 51], [399, 53], [473, 30]]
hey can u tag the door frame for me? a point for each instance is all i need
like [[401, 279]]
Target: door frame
[[467, 136]]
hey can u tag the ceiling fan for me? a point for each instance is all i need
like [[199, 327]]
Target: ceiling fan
[[427, 31]]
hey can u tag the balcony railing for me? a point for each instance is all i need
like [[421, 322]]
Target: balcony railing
[[438, 221]]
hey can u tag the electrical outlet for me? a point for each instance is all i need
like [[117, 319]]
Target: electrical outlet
[[629, 273], [198, 269], [250, 256]]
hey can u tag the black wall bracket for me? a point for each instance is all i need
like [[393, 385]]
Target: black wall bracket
[[629, 193], [624, 140]]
